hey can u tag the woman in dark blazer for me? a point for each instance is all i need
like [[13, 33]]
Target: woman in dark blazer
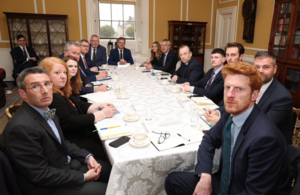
[[76, 118], [156, 54]]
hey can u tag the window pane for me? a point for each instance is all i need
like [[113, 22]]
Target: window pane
[[117, 12], [104, 10], [129, 13], [129, 29], [106, 31], [118, 27]]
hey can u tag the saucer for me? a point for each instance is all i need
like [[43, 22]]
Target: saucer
[[125, 98], [185, 100], [173, 91], [131, 120], [168, 83], [147, 142]]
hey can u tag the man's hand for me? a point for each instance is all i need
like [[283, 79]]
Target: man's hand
[[101, 88], [33, 58], [184, 84], [122, 62], [94, 69], [92, 164], [174, 79], [102, 75], [204, 186], [148, 66], [109, 111], [186, 87], [91, 175], [212, 116]]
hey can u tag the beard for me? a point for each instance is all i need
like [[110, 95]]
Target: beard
[[236, 108]]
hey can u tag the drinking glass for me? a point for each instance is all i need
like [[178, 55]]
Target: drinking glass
[[117, 88], [158, 76], [193, 118], [181, 90], [148, 116]]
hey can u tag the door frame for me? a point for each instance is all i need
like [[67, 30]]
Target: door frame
[[219, 17]]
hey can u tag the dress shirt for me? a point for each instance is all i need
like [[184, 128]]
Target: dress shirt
[[120, 53], [28, 56], [85, 65], [165, 58], [216, 72], [263, 89], [92, 52]]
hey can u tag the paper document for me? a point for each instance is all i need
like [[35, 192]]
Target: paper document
[[123, 66], [108, 130], [99, 97]]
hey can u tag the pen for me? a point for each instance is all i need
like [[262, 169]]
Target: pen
[[109, 127], [183, 137], [206, 122]]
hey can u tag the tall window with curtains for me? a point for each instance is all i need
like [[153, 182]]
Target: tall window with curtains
[[117, 19]]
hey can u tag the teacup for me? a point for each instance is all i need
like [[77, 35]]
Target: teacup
[[200, 111], [137, 67], [115, 77], [131, 115], [164, 82], [104, 66], [139, 138], [174, 89], [184, 98], [122, 95]]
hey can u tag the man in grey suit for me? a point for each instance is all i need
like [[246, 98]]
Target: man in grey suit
[[43, 162]]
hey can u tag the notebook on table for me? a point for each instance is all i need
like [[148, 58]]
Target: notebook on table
[[108, 130], [99, 97]]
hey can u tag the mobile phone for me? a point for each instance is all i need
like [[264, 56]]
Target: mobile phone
[[118, 142]]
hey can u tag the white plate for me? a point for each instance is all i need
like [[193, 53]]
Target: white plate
[[123, 98], [131, 120], [147, 142]]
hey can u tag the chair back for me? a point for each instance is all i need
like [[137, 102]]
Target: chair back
[[11, 110]]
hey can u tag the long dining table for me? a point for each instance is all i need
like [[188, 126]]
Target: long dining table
[[143, 170]]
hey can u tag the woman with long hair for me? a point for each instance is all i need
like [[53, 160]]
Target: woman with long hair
[[76, 118], [156, 54]]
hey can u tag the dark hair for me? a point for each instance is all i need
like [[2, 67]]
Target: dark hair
[[265, 54], [238, 45], [121, 38], [182, 46], [20, 36], [83, 40], [219, 51], [27, 71]]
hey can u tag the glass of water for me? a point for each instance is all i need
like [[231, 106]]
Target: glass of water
[[158, 76], [193, 118]]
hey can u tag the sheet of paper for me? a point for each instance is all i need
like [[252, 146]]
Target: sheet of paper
[[99, 97]]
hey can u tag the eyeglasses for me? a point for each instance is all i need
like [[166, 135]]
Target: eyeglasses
[[86, 46], [162, 137], [37, 87]]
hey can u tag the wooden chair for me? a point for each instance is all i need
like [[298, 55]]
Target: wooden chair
[[296, 129], [10, 111]]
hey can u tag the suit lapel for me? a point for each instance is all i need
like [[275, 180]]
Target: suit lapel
[[267, 93]]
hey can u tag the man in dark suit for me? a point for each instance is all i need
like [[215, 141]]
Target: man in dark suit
[[23, 55], [190, 70], [96, 53], [274, 99], [72, 48], [120, 55], [168, 61], [253, 155], [212, 85], [43, 162], [89, 67]]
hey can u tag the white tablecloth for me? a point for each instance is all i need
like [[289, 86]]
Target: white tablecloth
[[138, 171], [138, 58]]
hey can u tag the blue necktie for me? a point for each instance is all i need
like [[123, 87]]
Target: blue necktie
[[165, 56], [50, 113], [226, 159]]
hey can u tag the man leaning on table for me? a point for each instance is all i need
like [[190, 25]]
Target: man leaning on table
[[274, 99], [253, 159], [190, 70], [212, 85], [42, 160], [96, 53], [120, 55], [167, 62]]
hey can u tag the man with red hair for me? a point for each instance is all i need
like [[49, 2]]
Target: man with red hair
[[253, 158]]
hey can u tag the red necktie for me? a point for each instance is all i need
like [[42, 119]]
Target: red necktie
[[85, 64]]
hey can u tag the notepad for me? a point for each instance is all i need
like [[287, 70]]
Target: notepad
[[99, 97], [124, 65], [202, 101], [112, 133]]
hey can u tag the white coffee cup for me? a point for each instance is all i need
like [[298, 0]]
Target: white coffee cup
[[115, 77], [174, 89], [164, 82], [184, 98], [104, 66], [137, 67], [139, 138], [131, 115], [122, 95]]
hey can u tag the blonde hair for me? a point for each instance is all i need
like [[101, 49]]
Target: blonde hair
[[159, 52]]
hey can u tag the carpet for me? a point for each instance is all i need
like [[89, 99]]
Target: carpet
[[11, 99]]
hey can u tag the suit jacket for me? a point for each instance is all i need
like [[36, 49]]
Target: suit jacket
[[215, 92], [38, 159], [18, 56], [258, 163], [91, 75], [75, 122], [170, 64], [114, 56], [277, 104], [100, 55], [191, 72]]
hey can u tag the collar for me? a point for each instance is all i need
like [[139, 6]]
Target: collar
[[39, 110], [266, 86], [217, 71], [121, 50], [81, 56], [22, 47], [240, 119], [167, 53]]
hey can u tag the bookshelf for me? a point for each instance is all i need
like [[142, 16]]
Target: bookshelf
[[285, 44]]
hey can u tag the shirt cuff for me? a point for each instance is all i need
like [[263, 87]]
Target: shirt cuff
[[192, 89], [83, 177], [219, 113], [87, 157]]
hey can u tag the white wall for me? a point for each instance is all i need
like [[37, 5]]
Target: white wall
[[6, 63]]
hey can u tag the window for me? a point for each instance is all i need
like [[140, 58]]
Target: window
[[117, 20]]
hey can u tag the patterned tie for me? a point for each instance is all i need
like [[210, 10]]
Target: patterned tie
[[121, 55], [210, 80], [94, 56], [82, 71], [24, 52], [165, 57], [85, 64], [50, 113], [226, 159]]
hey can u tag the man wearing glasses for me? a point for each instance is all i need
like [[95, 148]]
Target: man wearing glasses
[[96, 53], [43, 162]]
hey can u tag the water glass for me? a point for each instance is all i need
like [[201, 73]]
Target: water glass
[[158, 76], [193, 119], [148, 116], [181, 90], [117, 89]]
